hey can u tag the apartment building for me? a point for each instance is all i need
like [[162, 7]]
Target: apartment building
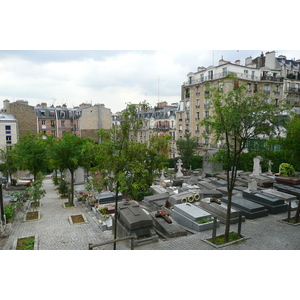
[[8, 131], [277, 77], [57, 120]]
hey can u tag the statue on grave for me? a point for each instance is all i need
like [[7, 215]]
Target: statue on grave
[[270, 167], [257, 165]]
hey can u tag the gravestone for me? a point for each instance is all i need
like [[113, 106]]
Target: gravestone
[[257, 165], [288, 189], [211, 167], [287, 197], [79, 176], [249, 209], [179, 173], [274, 204], [220, 211], [106, 197], [189, 215], [135, 221]]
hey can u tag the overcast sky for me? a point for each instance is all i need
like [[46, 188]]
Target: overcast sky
[[102, 76]]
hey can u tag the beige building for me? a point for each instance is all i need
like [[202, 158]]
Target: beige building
[[23, 113], [93, 118], [277, 77], [8, 131]]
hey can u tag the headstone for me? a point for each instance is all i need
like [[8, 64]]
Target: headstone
[[252, 184], [209, 165], [158, 189], [257, 165], [79, 176], [179, 173], [270, 167], [249, 209], [106, 197], [288, 189], [274, 204]]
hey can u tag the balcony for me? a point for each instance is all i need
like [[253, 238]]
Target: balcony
[[271, 78], [293, 90]]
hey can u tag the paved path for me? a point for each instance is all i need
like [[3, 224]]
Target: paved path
[[56, 233]]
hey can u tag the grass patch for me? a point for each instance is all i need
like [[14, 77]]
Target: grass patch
[[220, 240], [68, 204], [32, 215], [26, 243], [204, 220], [77, 219]]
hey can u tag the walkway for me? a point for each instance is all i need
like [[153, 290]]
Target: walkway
[[56, 233]]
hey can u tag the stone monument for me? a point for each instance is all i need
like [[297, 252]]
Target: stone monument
[[179, 168]]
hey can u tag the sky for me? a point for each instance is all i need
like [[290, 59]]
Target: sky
[[111, 77]]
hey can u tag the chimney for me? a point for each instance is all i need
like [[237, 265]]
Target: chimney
[[6, 106], [248, 61], [44, 105], [237, 62]]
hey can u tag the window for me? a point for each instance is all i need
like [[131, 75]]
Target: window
[[198, 103], [43, 113], [221, 86], [52, 124], [249, 88], [267, 89], [197, 116], [62, 123], [43, 122], [210, 74], [7, 129], [224, 71], [201, 77], [8, 139]]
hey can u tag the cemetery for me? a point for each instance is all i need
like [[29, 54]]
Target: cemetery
[[184, 203], [187, 203]]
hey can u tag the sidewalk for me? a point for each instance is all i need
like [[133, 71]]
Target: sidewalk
[[56, 233], [54, 230]]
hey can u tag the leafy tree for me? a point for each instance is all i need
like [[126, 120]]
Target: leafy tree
[[67, 154], [187, 148], [30, 154], [127, 165], [235, 118], [7, 167]]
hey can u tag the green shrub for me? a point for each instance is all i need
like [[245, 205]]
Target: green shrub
[[63, 188], [9, 212]]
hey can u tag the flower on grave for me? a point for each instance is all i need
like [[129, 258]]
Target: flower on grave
[[28, 183], [163, 213]]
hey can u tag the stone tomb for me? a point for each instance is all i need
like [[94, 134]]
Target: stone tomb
[[249, 209], [188, 215], [156, 202], [158, 189], [106, 197], [274, 204], [167, 230], [220, 211], [285, 196], [135, 221], [288, 189]]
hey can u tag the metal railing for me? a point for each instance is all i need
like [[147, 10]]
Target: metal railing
[[91, 246]]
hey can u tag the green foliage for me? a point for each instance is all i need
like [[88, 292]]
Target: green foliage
[[286, 170], [26, 243], [35, 191], [30, 153], [186, 149], [9, 212], [63, 187]]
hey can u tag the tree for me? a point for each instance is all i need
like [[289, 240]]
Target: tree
[[30, 154], [235, 118], [7, 167], [127, 165], [187, 148], [67, 154]]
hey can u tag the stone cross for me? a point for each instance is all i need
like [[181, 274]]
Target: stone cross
[[179, 165]]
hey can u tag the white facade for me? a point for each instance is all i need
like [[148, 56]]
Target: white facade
[[8, 131]]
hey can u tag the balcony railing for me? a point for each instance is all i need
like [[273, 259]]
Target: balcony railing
[[292, 90], [223, 75]]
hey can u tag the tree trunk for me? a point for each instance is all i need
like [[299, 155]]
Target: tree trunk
[[71, 200], [229, 190], [116, 215]]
